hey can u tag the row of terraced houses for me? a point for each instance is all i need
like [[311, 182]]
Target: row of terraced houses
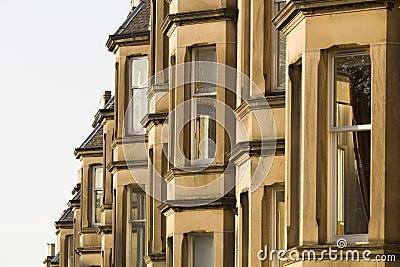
[[238, 128]]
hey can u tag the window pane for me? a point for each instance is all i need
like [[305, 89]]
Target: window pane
[[98, 177], [139, 70], [281, 64], [139, 108], [134, 246], [352, 90], [98, 199], [138, 206], [137, 245], [205, 72], [137, 218], [203, 251], [279, 51], [205, 127], [280, 219], [353, 163], [278, 6], [70, 250]]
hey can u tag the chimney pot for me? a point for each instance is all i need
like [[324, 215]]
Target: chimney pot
[[134, 3], [51, 249], [105, 97]]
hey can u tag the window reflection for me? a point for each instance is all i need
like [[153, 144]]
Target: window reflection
[[352, 108]]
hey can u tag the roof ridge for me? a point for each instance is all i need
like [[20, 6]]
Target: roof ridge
[[130, 17]]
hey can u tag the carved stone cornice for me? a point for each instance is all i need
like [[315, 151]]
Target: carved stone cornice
[[104, 230], [245, 150], [186, 18], [74, 203], [157, 88], [103, 114], [87, 230], [125, 165], [88, 250], [85, 152], [152, 119], [194, 170], [171, 206], [269, 102], [154, 257], [64, 225], [276, 100], [305, 8], [115, 41], [130, 139]]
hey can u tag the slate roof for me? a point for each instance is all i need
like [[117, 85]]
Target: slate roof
[[94, 140], [77, 196], [56, 258], [136, 24], [138, 21], [67, 216]]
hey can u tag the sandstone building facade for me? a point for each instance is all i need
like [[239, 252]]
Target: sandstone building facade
[[291, 145]]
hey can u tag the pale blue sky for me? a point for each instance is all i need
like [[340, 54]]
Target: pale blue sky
[[53, 67]]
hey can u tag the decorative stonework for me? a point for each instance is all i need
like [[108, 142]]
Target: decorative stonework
[[187, 18], [295, 8], [269, 102], [245, 150]]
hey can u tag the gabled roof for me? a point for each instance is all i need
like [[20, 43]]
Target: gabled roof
[[136, 24], [138, 21], [93, 142], [67, 216]]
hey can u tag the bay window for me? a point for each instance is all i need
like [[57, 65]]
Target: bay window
[[204, 92], [136, 227], [350, 133], [97, 194], [138, 84]]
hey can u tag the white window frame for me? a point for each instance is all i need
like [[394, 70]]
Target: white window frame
[[194, 141], [274, 191], [275, 53], [131, 89], [332, 151], [191, 246], [94, 191], [131, 223]]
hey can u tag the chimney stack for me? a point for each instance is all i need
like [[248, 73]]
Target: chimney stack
[[134, 3], [51, 250], [105, 97]]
